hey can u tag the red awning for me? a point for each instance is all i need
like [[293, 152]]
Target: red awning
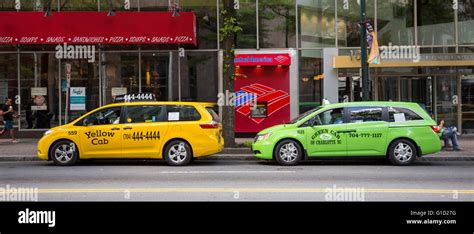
[[97, 28]]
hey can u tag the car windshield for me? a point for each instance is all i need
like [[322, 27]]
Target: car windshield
[[302, 116]]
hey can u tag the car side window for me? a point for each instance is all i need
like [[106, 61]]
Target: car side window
[[398, 114], [330, 117], [145, 114], [181, 113], [366, 114], [102, 117]]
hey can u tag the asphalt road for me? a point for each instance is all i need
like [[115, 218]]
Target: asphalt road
[[242, 180]]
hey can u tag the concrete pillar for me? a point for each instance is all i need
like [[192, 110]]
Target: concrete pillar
[[330, 81]]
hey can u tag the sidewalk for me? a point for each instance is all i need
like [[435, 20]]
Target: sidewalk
[[26, 151]]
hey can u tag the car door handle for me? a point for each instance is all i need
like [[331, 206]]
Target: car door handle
[[115, 129], [127, 128], [347, 131]]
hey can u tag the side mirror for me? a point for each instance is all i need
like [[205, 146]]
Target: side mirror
[[129, 120]]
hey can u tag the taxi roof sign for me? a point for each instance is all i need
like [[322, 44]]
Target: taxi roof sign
[[138, 97]]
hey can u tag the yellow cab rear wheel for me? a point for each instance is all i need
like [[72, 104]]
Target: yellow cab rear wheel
[[178, 153]]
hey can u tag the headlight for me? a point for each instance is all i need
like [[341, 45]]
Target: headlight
[[48, 132], [264, 136]]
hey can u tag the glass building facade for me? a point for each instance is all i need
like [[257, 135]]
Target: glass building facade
[[439, 28]]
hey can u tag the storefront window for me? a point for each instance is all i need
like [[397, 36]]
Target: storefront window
[[435, 22], [310, 80], [39, 91], [155, 75], [351, 85], [317, 23], [198, 77], [121, 74], [446, 100], [387, 88], [348, 17], [395, 22], [277, 23], [199, 80], [467, 99], [466, 22]]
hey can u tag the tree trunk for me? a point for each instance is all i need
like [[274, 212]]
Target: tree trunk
[[228, 45]]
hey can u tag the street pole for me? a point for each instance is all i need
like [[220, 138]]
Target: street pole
[[363, 52]]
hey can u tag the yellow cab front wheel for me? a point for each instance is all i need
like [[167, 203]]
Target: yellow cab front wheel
[[64, 153]]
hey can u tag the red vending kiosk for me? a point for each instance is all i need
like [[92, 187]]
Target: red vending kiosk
[[262, 90]]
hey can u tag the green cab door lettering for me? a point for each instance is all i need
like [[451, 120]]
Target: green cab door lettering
[[325, 136], [327, 140]]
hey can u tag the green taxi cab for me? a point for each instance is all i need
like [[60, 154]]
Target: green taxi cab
[[399, 131]]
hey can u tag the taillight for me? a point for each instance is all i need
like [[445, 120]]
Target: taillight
[[436, 129], [211, 125]]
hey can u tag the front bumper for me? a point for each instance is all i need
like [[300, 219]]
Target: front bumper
[[43, 148], [263, 149]]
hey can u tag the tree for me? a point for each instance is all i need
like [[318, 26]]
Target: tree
[[228, 31]]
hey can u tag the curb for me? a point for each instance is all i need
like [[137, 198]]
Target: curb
[[249, 157]]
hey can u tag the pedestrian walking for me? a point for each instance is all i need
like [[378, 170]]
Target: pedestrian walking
[[9, 114]]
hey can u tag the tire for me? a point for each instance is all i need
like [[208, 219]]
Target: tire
[[402, 153], [288, 153], [64, 153], [178, 153]]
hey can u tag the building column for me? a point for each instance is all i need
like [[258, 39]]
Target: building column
[[330, 81]]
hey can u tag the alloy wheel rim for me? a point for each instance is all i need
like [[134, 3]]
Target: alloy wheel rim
[[178, 153], [288, 152], [64, 153], [403, 152]]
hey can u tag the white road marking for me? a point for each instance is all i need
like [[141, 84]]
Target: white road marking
[[221, 172]]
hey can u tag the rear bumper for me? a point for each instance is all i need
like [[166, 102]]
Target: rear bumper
[[429, 145], [209, 149]]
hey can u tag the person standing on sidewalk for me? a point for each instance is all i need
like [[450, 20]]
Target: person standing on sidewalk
[[8, 115]]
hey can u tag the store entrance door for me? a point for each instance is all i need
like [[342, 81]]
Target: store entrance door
[[417, 89], [467, 104]]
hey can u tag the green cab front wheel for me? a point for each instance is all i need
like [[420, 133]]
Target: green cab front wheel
[[288, 153]]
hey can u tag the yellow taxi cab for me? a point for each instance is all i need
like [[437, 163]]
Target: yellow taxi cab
[[135, 129]]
